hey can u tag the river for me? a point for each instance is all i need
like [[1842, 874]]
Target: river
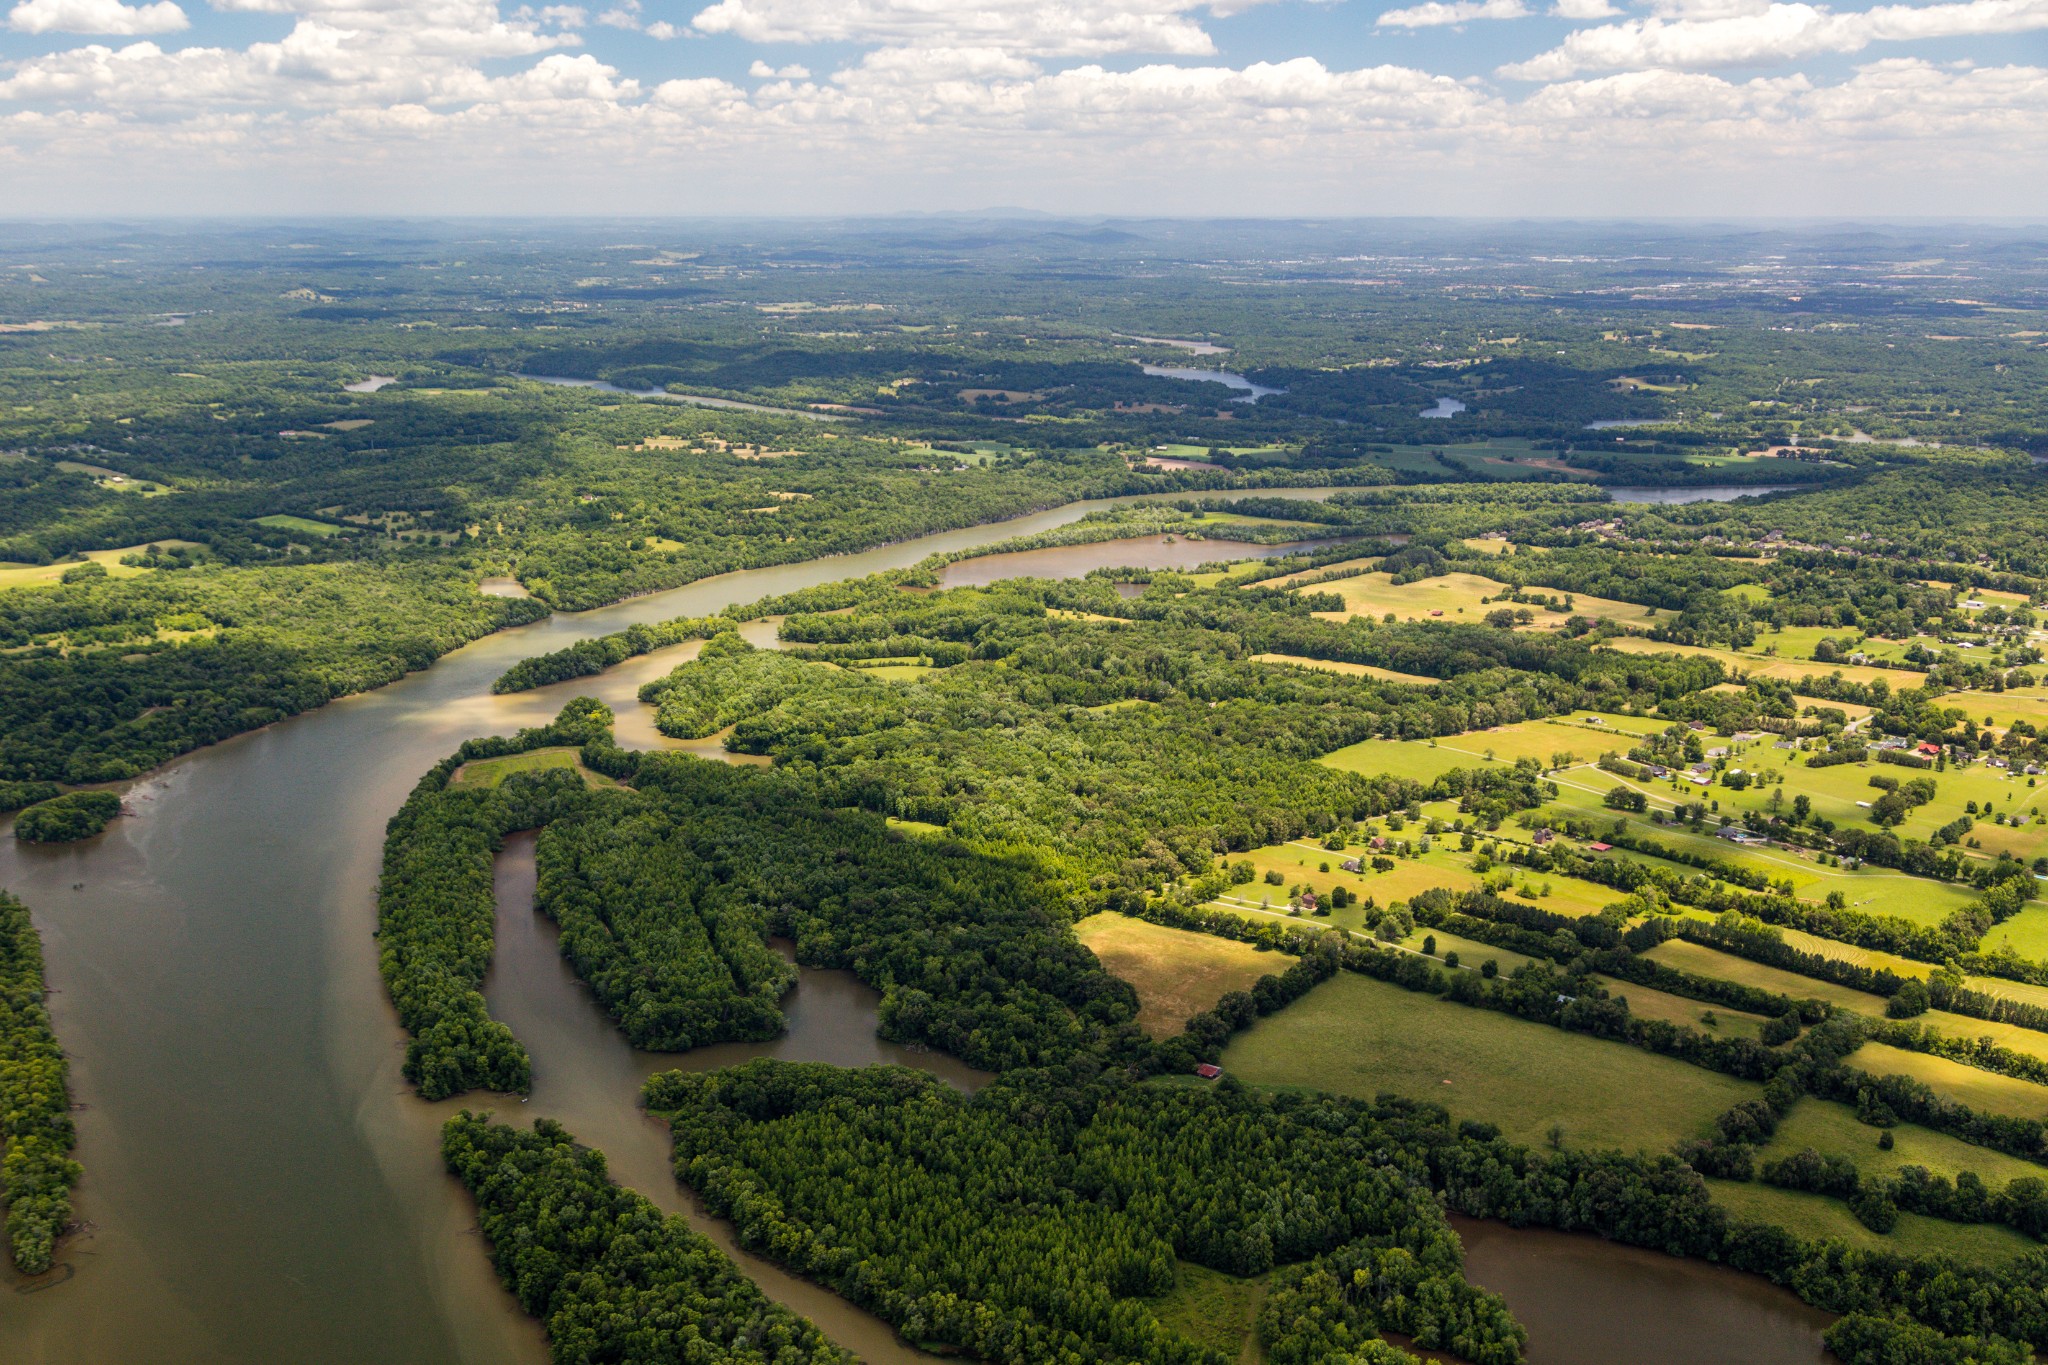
[[261, 1185]]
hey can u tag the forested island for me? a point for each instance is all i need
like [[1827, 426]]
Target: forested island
[[1559, 753]]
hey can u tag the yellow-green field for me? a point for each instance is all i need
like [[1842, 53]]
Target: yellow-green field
[[304, 525], [1463, 596], [1570, 737], [1677, 1009], [1832, 1129], [1177, 974], [1694, 957], [1814, 1216], [1350, 670], [1782, 669], [1342, 566], [29, 575], [1987, 1092], [1217, 1310], [489, 772], [1357, 1036]]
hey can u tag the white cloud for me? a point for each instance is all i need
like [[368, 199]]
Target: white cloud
[[1437, 13], [1583, 9], [1777, 33], [96, 16], [661, 30], [1096, 28], [468, 104]]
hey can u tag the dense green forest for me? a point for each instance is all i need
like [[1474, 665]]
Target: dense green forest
[[36, 1169]]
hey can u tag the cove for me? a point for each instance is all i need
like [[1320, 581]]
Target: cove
[[261, 1184], [1587, 1301]]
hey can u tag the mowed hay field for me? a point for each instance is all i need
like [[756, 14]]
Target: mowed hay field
[[1577, 735], [1815, 1216], [1177, 974], [1357, 1036], [1764, 666], [1987, 1092], [1350, 670], [30, 575], [1462, 596], [490, 772]]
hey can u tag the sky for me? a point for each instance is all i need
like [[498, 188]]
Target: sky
[[1233, 108]]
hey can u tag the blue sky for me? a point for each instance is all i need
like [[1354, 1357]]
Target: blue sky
[[1282, 106]]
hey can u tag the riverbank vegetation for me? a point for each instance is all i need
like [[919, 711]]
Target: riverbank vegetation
[[36, 1169], [68, 818]]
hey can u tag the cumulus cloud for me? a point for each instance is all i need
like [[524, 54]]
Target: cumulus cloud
[[1097, 28], [1438, 13], [1776, 33], [431, 102], [96, 16]]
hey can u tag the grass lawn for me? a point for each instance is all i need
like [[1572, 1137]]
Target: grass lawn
[[1346, 565], [1985, 1091], [1177, 974], [1471, 952], [1353, 670], [1216, 1310], [1576, 736], [1356, 1036], [304, 524], [1832, 1130], [1462, 596], [489, 772], [899, 672], [1677, 1009], [30, 575], [1815, 1216], [1783, 669], [1693, 957], [921, 828]]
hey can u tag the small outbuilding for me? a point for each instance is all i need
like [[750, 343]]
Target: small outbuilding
[[1208, 1071]]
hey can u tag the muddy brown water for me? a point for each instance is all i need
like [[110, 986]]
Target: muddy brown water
[[1590, 1302], [261, 1185]]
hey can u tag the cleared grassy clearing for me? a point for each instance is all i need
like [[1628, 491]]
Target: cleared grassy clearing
[[1177, 974], [1582, 736], [1463, 595], [899, 672], [1832, 1130], [303, 524], [1676, 1009], [490, 772], [1219, 1311], [1815, 1216], [31, 575], [1351, 670], [1693, 957], [1471, 952], [1985, 1091], [1289, 580], [1781, 669], [1357, 1036]]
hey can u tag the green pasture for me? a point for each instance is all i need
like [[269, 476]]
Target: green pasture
[[1357, 1036], [490, 772]]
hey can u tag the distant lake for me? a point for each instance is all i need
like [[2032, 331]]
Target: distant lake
[[1445, 407], [372, 384], [1252, 392], [1612, 422], [1704, 493]]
